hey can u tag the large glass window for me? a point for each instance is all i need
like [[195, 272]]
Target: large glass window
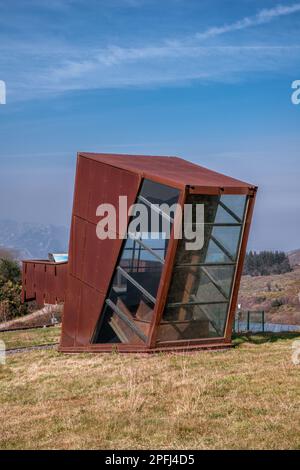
[[129, 306], [200, 290]]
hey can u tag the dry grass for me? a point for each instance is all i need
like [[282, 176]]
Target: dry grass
[[246, 398], [24, 338]]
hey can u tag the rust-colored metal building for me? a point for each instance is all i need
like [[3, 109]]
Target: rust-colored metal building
[[142, 295]]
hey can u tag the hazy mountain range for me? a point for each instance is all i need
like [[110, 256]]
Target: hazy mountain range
[[31, 240]]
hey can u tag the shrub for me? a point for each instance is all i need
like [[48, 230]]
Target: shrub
[[10, 290], [278, 302]]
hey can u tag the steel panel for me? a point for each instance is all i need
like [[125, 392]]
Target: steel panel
[[107, 184], [60, 281], [92, 261], [39, 281], [30, 286], [82, 187], [44, 281], [99, 257], [91, 304], [77, 246], [70, 313], [171, 170], [23, 293]]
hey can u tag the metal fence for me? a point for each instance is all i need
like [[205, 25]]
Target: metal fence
[[254, 321]]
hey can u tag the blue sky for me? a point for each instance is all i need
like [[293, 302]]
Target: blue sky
[[206, 80]]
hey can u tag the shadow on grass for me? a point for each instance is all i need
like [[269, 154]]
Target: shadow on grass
[[260, 338]]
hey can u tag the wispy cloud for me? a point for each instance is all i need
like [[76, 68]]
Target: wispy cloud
[[58, 66], [262, 17]]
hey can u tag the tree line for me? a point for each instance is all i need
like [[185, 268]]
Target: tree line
[[264, 263]]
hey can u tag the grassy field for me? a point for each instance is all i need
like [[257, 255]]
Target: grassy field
[[24, 338], [244, 398]]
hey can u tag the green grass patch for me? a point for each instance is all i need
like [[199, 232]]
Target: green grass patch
[[31, 337]]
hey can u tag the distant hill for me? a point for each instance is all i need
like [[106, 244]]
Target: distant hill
[[294, 257], [30, 240], [8, 253], [278, 295]]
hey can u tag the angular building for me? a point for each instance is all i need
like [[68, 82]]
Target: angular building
[[139, 290]]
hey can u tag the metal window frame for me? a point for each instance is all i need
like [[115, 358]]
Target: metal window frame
[[222, 248], [155, 208], [231, 212], [126, 320], [147, 248], [165, 279], [196, 302], [237, 262], [136, 284]]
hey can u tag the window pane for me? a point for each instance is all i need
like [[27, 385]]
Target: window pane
[[202, 279], [129, 298], [193, 322], [191, 284], [228, 239], [106, 333], [215, 254], [222, 275], [136, 279], [210, 253], [143, 267], [223, 217], [236, 203], [134, 306], [113, 329], [158, 193], [210, 206]]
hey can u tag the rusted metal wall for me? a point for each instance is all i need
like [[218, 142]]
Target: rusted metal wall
[[44, 281], [91, 260]]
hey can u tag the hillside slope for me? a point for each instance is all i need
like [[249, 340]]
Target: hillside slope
[[33, 240], [294, 257], [278, 295]]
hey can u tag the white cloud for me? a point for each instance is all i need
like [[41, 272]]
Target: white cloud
[[57, 67], [262, 17]]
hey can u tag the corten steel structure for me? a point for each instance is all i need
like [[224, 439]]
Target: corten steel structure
[[140, 295]]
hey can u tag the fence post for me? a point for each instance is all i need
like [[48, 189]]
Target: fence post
[[263, 320], [248, 320]]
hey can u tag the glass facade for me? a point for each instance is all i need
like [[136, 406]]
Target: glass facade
[[202, 279], [200, 290], [129, 306]]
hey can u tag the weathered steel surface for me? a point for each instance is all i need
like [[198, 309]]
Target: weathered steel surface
[[91, 302], [44, 281], [173, 170], [99, 257], [91, 260], [71, 310]]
